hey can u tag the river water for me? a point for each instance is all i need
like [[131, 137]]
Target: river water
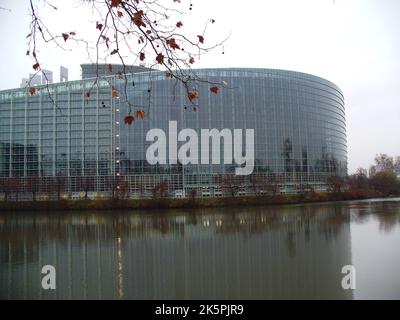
[[274, 252]]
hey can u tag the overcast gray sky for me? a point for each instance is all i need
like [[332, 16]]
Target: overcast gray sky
[[354, 43]]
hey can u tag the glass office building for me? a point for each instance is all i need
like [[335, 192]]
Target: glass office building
[[76, 130]]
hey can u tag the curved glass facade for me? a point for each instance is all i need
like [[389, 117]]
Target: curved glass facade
[[298, 122]]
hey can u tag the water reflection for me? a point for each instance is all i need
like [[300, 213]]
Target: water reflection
[[235, 253], [386, 212], [375, 234]]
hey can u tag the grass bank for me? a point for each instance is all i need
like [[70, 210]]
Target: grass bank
[[161, 203]]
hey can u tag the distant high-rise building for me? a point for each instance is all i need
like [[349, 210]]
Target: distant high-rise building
[[63, 74], [24, 82], [35, 79], [47, 77]]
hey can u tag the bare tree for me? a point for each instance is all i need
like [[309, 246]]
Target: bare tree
[[118, 186], [397, 165], [163, 189], [87, 183], [5, 187], [359, 180], [271, 183], [111, 185], [335, 184], [15, 186], [193, 193], [386, 182], [33, 185], [154, 192], [122, 187], [151, 31], [230, 184], [257, 183], [383, 162], [59, 183], [160, 190]]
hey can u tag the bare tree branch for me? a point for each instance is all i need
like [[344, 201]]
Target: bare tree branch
[[151, 31]]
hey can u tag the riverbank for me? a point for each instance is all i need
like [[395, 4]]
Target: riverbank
[[166, 203]]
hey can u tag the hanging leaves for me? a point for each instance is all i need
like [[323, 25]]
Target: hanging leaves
[[145, 22], [160, 58], [107, 40], [139, 114], [193, 94], [114, 92], [128, 119], [138, 19], [115, 3], [172, 43], [65, 36], [99, 25], [214, 89], [32, 90]]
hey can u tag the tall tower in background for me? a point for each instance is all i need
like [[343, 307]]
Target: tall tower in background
[[43, 78], [63, 74], [47, 77], [33, 79]]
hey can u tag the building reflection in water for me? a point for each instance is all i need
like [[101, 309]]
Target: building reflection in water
[[241, 253]]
